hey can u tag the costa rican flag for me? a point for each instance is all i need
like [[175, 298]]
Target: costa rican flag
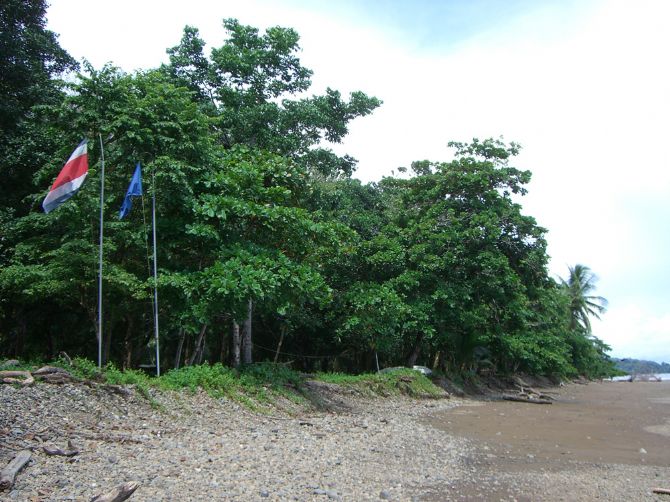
[[69, 180]]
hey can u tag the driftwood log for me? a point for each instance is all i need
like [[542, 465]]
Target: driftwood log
[[48, 370], [121, 492], [56, 375], [534, 393], [53, 374], [70, 452], [8, 474], [21, 377], [664, 491], [525, 399]]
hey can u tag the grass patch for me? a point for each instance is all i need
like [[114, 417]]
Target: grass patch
[[255, 386], [21, 366], [393, 383], [81, 368]]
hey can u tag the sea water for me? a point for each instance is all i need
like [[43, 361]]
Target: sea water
[[662, 376]]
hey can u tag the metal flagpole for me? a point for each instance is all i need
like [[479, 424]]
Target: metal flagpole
[[102, 205], [153, 218]]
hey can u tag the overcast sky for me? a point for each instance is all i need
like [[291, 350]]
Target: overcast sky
[[584, 86]]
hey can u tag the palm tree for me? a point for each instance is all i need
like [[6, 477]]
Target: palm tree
[[579, 286]]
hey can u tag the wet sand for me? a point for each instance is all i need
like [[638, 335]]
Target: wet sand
[[607, 440]]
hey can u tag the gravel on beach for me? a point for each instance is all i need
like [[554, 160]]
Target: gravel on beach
[[194, 447]]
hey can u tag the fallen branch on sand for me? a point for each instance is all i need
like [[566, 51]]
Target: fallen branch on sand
[[527, 394], [526, 399], [70, 452], [530, 392], [664, 491], [121, 492], [56, 375], [22, 377], [9, 473]]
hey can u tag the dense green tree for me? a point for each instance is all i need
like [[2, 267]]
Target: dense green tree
[[260, 242], [30, 58], [30, 62], [53, 258], [251, 85]]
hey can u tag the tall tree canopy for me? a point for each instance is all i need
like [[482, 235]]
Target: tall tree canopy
[[30, 57], [30, 62], [254, 85]]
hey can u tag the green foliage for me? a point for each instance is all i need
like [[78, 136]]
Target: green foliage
[[81, 368], [248, 85], [30, 57], [252, 384], [216, 378], [392, 383]]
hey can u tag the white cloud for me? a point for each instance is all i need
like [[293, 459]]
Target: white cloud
[[633, 331]]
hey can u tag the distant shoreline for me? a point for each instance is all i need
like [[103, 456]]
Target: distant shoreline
[[663, 376]]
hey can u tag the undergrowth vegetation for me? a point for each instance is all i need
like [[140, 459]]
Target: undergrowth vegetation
[[255, 386], [393, 383]]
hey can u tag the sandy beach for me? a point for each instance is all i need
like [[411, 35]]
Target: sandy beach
[[605, 440], [601, 441]]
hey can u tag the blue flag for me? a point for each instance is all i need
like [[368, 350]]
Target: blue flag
[[134, 189]]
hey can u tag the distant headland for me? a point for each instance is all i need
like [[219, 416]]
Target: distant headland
[[637, 366]]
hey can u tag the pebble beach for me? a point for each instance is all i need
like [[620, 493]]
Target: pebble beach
[[193, 447]]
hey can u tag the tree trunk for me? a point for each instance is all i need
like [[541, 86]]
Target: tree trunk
[[436, 361], [107, 342], [50, 346], [246, 335], [128, 344], [236, 344], [411, 360], [198, 345], [201, 349], [223, 348], [180, 346], [21, 334], [281, 340]]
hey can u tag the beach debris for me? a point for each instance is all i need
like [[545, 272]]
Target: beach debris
[[117, 494], [50, 374], [8, 474], [525, 399], [70, 452], [664, 491], [21, 377], [53, 374], [527, 394]]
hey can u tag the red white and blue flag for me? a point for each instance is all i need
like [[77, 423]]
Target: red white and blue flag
[[69, 180]]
